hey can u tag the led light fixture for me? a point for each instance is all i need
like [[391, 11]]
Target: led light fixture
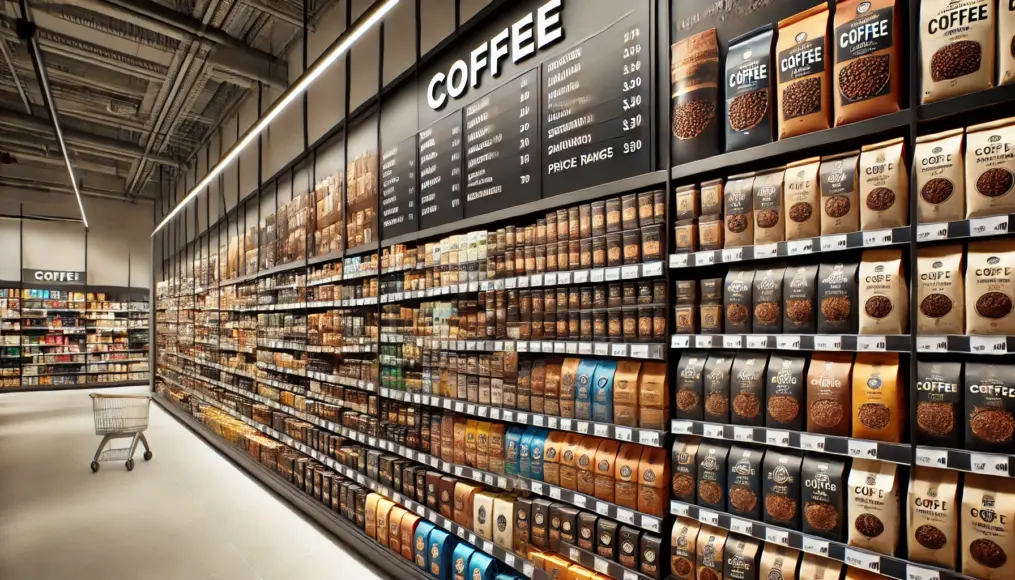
[[276, 109]]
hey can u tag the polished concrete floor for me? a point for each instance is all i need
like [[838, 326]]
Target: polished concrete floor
[[187, 514]]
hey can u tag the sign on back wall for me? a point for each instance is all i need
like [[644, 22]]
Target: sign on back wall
[[54, 277]]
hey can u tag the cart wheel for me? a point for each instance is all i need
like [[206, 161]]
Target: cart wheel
[[147, 455], [130, 465], [95, 466]]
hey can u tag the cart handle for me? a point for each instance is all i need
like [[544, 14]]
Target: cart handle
[[101, 396]]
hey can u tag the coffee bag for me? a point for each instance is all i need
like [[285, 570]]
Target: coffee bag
[[941, 292], [874, 506], [716, 380], [626, 475], [694, 83], [829, 389], [813, 567], [938, 403], [784, 392], [744, 481], [840, 194], [749, 120], [940, 177], [653, 397], [738, 201], [779, 562], [933, 527], [689, 385], [884, 186], [837, 297], [654, 481], [712, 475], [883, 293], [990, 168], [990, 407], [868, 77], [823, 498], [799, 287], [742, 554], [957, 44], [747, 388], [1005, 43], [990, 287], [767, 301], [738, 301], [781, 489], [878, 400], [684, 467], [804, 84], [802, 196], [688, 203], [711, 549], [683, 545], [768, 211], [988, 538]]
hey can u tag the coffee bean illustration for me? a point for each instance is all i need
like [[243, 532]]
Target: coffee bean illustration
[[826, 413], [935, 418], [937, 190], [780, 507], [930, 537], [783, 408], [742, 498], [992, 425], [746, 405], [865, 77], [880, 199], [710, 491], [995, 182], [768, 218], [690, 119], [936, 305], [994, 305], [717, 404], [987, 553], [801, 98], [767, 312], [800, 211], [737, 223], [837, 206], [736, 313], [747, 110], [687, 400], [821, 516], [955, 60], [869, 525], [874, 415], [799, 310], [683, 484], [836, 308], [878, 306], [682, 567]]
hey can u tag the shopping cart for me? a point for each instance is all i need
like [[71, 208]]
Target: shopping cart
[[120, 417]]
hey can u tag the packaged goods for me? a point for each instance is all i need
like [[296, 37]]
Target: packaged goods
[[884, 186], [940, 177], [840, 194], [823, 497], [747, 388], [804, 85], [683, 547], [878, 400], [990, 168], [441, 545], [742, 554], [446, 491], [503, 515], [990, 287], [628, 540], [784, 392], [626, 472], [744, 481], [712, 471], [465, 495], [587, 531], [482, 514], [602, 391], [738, 202], [481, 567], [568, 461], [688, 203], [460, 560], [552, 450], [868, 77], [684, 467], [738, 301], [814, 567], [1005, 43], [540, 523], [653, 397], [989, 395], [407, 531], [749, 120], [606, 533], [988, 513], [603, 474], [421, 544], [883, 293], [941, 291], [654, 481], [768, 210], [694, 82], [799, 287], [957, 44], [802, 193], [689, 385], [522, 525], [779, 562], [767, 301], [837, 298], [586, 463], [938, 403], [651, 556], [712, 306], [712, 198], [716, 386], [710, 558], [625, 393], [874, 511], [583, 391], [933, 511], [536, 449], [781, 488], [829, 393]]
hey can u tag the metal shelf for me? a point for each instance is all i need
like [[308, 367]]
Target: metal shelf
[[806, 342]]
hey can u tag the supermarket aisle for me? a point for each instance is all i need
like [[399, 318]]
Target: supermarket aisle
[[189, 513]]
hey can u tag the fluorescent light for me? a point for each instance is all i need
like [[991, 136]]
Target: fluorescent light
[[276, 109]]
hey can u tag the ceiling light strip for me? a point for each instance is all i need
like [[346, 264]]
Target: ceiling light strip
[[276, 109]]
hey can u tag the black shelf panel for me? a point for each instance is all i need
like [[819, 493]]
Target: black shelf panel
[[981, 345], [974, 462], [361, 249], [297, 265], [979, 227], [599, 564], [961, 105], [623, 515], [325, 258], [807, 342], [637, 350]]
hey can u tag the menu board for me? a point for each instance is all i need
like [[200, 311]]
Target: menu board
[[502, 147], [596, 109], [398, 189], [440, 172]]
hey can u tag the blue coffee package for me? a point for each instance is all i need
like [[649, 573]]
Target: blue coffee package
[[583, 389], [536, 454], [602, 392], [482, 567], [420, 543], [460, 560], [512, 441], [525, 452], [441, 547]]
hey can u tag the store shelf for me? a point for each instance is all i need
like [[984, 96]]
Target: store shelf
[[358, 275], [901, 453], [600, 564], [638, 350], [974, 462], [809, 342], [297, 265], [984, 345], [623, 515], [281, 345], [818, 245], [962, 105], [344, 381]]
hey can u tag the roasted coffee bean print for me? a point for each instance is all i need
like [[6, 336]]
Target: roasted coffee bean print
[[878, 306], [935, 418], [710, 492], [931, 537], [994, 305], [768, 218], [767, 312], [987, 553], [799, 310], [992, 425], [956, 60], [736, 313], [683, 485], [707, 574], [687, 400], [836, 308], [875, 415], [937, 190], [682, 567], [801, 98], [717, 404], [869, 525], [692, 118], [826, 413], [837, 206], [800, 211], [936, 305], [880, 199], [783, 408], [737, 223], [865, 77], [780, 507], [742, 498], [994, 182], [747, 110], [821, 516], [746, 405]]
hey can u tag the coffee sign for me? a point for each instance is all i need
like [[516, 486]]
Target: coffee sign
[[58, 277]]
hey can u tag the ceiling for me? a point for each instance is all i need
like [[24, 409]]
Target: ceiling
[[139, 85]]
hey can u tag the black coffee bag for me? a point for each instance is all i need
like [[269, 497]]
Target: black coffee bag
[[716, 382], [990, 407], [744, 481], [939, 404], [684, 467], [785, 389], [748, 90], [768, 301], [747, 389], [798, 291], [737, 301], [781, 489], [689, 385], [837, 298], [628, 547], [712, 475], [823, 507], [742, 556]]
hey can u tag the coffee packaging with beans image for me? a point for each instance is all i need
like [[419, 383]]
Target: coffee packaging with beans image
[[868, 76], [568, 382], [990, 168], [747, 389], [586, 531], [712, 475], [779, 562], [938, 403], [781, 488], [837, 297], [540, 535], [683, 544], [990, 407], [684, 467], [768, 211], [840, 194], [874, 510], [625, 393], [625, 472], [799, 286], [522, 526], [884, 295], [651, 556], [710, 547], [585, 464], [804, 93], [990, 287], [606, 459], [742, 555], [767, 301], [694, 88], [878, 400], [933, 512], [654, 481], [940, 177], [744, 481], [1005, 43], [941, 291], [711, 308], [988, 517], [814, 567], [583, 389], [829, 393], [569, 460], [738, 200], [957, 44], [689, 385], [802, 194], [749, 99], [884, 186], [628, 540], [606, 533], [653, 397], [688, 202], [738, 301], [823, 497], [551, 457], [784, 392], [716, 381]]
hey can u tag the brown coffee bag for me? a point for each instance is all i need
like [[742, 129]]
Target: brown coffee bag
[[883, 293], [840, 194], [779, 562], [933, 513], [710, 550], [814, 567], [804, 91], [878, 400], [683, 540], [768, 211], [829, 393], [990, 168], [802, 196], [684, 467], [874, 506], [940, 177], [694, 87], [957, 44], [884, 185], [988, 536], [990, 287], [739, 211], [868, 77], [941, 292]]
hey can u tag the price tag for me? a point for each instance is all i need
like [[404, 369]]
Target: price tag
[[494, 413], [778, 438], [630, 272], [538, 420], [832, 243], [509, 415], [629, 575], [989, 464], [678, 260], [487, 547], [928, 232], [565, 424], [554, 492], [459, 407], [602, 508], [536, 280], [679, 509], [470, 409], [583, 427], [798, 247], [812, 442], [989, 226], [559, 347], [552, 422], [602, 566], [509, 559], [536, 487], [581, 277], [713, 431], [708, 517], [434, 462], [733, 255], [459, 470], [574, 554], [863, 449], [743, 434], [547, 347], [572, 348], [732, 341], [652, 269], [682, 427], [988, 344], [563, 277], [766, 251], [931, 457], [511, 283], [704, 258], [447, 403], [578, 500], [787, 342], [680, 341], [612, 274], [917, 573], [523, 418], [815, 546], [739, 526], [488, 479], [932, 344], [757, 341], [776, 536], [827, 342], [601, 348], [584, 348], [863, 560], [871, 343], [877, 238], [625, 516], [621, 433], [702, 341], [600, 430], [619, 350], [550, 279], [597, 275]]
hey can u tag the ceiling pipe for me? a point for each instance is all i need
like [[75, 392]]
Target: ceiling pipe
[[27, 155], [14, 74], [32, 185], [277, 13]]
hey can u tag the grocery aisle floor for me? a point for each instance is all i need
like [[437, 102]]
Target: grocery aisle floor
[[189, 513]]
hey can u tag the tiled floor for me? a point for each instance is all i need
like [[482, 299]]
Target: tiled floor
[[187, 514]]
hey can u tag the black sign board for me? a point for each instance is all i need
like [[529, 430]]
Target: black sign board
[[53, 277], [502, 147], [440, 172], [597, 100], [399, 210]]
